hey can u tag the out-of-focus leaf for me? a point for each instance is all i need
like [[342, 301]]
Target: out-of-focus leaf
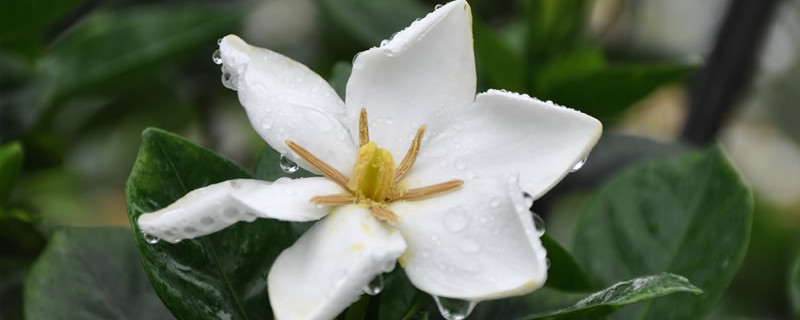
[[22, 21], [128, 44], [606, 92], [90, 273], [794, 287], [689, 215], [564, 273], [370, 22], [339, 76], [554, 27], [497, 59], [222, 275], [602, 303], [567, 67], [10, 166], [399, 298]]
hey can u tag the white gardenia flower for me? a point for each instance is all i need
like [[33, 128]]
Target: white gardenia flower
[[417, 169]]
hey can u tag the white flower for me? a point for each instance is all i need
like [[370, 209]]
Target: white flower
[[452, 211]]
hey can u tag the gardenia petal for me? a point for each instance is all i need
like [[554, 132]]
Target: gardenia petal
[[476, 243], [424, 70], [215, 207], [286, 101], [328, 267], [505, 132]]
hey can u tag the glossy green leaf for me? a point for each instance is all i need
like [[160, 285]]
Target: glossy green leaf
[[91, 273], [222, 275], [608, 91], [688, 215], [370, 22], [564, 273], [10, 166], [794, 287], [604, 302], [114, 49]]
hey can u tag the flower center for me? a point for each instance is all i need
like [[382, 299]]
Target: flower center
[[375, 178]]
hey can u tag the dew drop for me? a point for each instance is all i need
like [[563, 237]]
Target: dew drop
[[437, 7], [528, 199], [538, 223], [151, 239], [287, 165], [456, 220], [384, 43], [495, 202], [219, 41], [454, 309], [216, 57], [461, 164], [578, 165], [375, 286]]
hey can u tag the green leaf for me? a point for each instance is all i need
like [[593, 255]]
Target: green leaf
[[564, 273], [602, 303], [90, 273], [794, 287], [125, 46], [370, 22], [553, 27], [23, 22], [606, 92], [222, 275], [502, 65], [339, 76], [399, 299], [10, 166], [688, 215]]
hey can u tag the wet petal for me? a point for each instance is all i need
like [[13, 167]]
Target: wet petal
[[424, 70], [215, 207], [287, 101], [476, 243], [328, 267], [505, 132]]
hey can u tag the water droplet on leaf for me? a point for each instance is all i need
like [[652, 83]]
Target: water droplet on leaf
[[287, 165], [454, 309], [375, 286]]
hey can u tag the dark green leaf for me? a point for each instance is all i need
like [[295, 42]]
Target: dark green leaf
[[127, 45], [602, 303], [399, 298], [222, 275], [90, 273], [794, 287], [689, 215], [370, 22], [564, 273], [608, 91], [497, 60], [23, 21], [567, 67], [10, 166]]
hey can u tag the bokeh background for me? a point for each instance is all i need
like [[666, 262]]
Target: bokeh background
[[81, 79]]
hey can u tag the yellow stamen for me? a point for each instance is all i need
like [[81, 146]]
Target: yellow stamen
[[363, 129], [334, 199], [323, 167], [410, 157], [423, 192], [372, 173]]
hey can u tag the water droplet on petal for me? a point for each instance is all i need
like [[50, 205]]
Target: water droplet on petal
[[227, 79], [216, 57], [454, 309], [219, 41], [495, 202], [287, 165], [528, 199], [151, 239], [375, 286], [437, 7], [384, 43], [538, 223], [578, 165], [456, 220]]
